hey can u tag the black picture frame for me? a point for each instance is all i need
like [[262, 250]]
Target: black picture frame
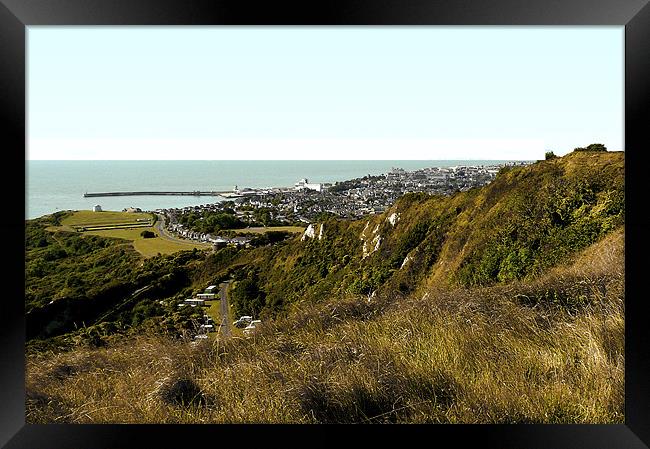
[[16, 15]]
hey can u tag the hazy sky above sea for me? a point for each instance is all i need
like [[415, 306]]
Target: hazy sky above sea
[[339, 93]]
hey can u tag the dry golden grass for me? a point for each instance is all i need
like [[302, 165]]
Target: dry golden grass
[[550, 350]]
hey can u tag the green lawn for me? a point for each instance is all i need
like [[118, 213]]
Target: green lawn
[[214, 311], [149, 247], [127, 234], [90, 218], [146, 247], [114, 226]]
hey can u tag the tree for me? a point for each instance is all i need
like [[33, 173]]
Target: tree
[[269, 237], [592, 147], [247, 297], [263, 215], [549, 155], [147, 234], [596, 147]]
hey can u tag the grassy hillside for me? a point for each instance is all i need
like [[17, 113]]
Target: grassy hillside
[[526, 221], [499, 304], [549, 350], [83, 285]]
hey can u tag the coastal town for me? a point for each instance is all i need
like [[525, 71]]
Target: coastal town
[[306, 202]]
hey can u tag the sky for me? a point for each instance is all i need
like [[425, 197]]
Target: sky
[[338, 93]]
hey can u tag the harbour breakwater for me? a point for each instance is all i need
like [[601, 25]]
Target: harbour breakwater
[[192, 193]]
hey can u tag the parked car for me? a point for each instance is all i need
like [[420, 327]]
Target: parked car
[[243, 321]]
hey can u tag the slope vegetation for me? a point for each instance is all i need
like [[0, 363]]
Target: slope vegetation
[[526, 221], [496, 305], [544, 351]]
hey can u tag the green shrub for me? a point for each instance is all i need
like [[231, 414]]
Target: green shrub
[[592, 147]]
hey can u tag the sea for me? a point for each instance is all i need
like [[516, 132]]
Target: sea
[[52, 186]]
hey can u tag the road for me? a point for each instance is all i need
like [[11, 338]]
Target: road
[[225, 319], [160, 227], [223, 292]]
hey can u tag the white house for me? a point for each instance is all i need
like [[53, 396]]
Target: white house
[[304, 184], [205, 295]]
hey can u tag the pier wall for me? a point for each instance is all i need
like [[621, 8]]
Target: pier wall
[[193, 193]]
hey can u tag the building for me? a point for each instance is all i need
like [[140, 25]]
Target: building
[[97, 208], [304, 184], [205, 296], [194, 302], [240, 241], [219, 242]]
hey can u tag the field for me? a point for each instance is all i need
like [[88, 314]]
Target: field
[[124, 225], [149, 247], [90, 218]]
